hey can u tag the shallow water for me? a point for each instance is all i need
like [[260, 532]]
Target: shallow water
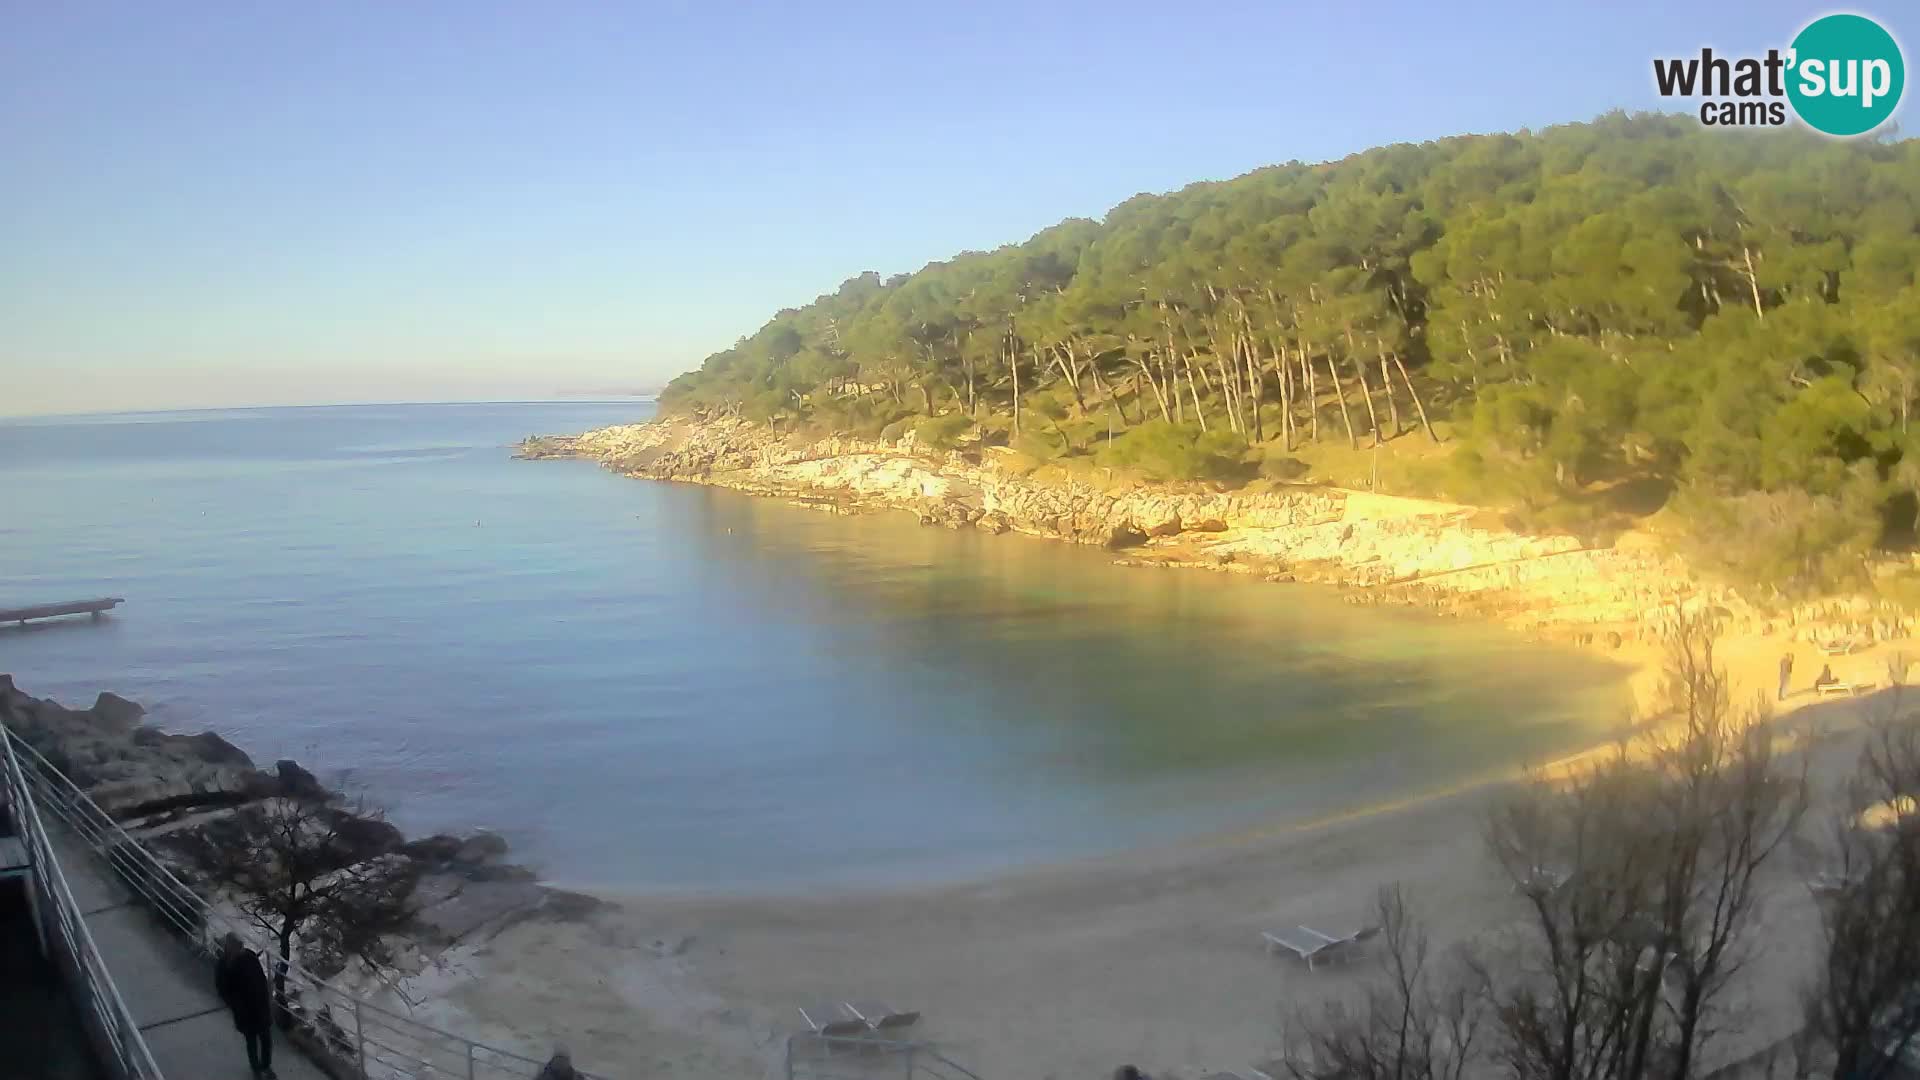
[[655, 686]]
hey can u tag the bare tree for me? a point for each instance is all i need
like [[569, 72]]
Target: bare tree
[[1413, 1025], [1642, 876], [1864, 1006], [313, 870]]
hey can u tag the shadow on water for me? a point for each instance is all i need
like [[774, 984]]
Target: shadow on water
[[1123, 674], [96, 624]]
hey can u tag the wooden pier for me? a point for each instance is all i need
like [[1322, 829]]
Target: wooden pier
[[53, 611]]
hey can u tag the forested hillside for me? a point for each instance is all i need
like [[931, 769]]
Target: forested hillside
[[1597, 319]]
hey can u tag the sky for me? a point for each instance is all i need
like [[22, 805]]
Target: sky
[[218, 204]]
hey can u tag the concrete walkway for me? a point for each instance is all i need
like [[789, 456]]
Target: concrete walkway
[[167, 988]]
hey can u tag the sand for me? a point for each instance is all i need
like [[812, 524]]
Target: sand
[[1153, 957]]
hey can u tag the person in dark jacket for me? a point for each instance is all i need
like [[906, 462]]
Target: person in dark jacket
[[242, 984], [559, 1067]]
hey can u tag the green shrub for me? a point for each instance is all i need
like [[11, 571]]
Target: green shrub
[[1791, 542], [865, 416], [1279, 466], [1041, 444], [942, 432], [1166, 451]]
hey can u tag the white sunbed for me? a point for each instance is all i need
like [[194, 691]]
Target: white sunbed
[[1831, 882], [833, 1021], [1840, 648], [1315, 947], [1299, 941], [1851, 689], [1541, 879], [882, 1019]]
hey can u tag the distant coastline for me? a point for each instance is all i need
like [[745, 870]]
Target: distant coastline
[[584, 398], [1444, 557]]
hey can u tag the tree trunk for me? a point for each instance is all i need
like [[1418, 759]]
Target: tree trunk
[[1158, 394], [1286, 395], [1473, 358], [1386, 383], [1194, 389], [1233, 398], [1099, 384], [1366, 391], [1415, 395], [287, 927], [1753, 281], [1345, 417], [1255, 389], [1013, 361], [1313, 393], [1073, 382]]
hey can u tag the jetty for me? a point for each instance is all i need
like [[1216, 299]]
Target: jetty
[[94, 608]]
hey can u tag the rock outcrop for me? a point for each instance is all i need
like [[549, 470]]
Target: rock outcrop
[[175, 791], [1409, 551]]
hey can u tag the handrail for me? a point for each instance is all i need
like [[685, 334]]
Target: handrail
[[352, 1026], [116, 1027], [918, 1058]]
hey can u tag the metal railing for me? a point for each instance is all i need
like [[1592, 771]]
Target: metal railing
[[857, 1057], [356, 1033], [116, 1037]]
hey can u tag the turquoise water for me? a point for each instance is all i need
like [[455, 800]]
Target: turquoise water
[[654, 686]]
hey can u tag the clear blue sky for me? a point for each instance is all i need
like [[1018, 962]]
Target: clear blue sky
[[210, 204]]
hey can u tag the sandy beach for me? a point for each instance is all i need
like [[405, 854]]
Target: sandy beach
[[1153, 958]]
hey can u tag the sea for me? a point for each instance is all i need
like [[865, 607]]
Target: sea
[[660, 688]]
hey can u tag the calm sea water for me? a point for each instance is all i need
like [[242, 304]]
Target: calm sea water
[[653, 686]]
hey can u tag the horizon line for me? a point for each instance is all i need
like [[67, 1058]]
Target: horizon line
[[618, 399]]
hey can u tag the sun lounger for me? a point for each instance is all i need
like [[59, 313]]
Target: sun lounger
[[1300, 941], [1851, 689], [1346, 949], [833, 1021], [882, 1019], [1839, 648], [1541, 879], [1830, 883], [1316, 947]]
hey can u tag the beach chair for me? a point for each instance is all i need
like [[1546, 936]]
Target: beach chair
[[1850, 689], [1541, 879], [1838, 648], [833, 1021], [1346, 949], [1300, 941], [1830, 883], [882, 1019]]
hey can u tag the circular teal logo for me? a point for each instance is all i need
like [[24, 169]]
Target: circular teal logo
[[1846, 75]]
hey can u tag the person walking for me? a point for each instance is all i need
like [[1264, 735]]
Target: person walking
[[242, 984], [559, 1067], [1786, 673]]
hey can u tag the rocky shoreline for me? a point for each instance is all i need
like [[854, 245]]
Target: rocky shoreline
[[171, 791], [1447, 558]]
